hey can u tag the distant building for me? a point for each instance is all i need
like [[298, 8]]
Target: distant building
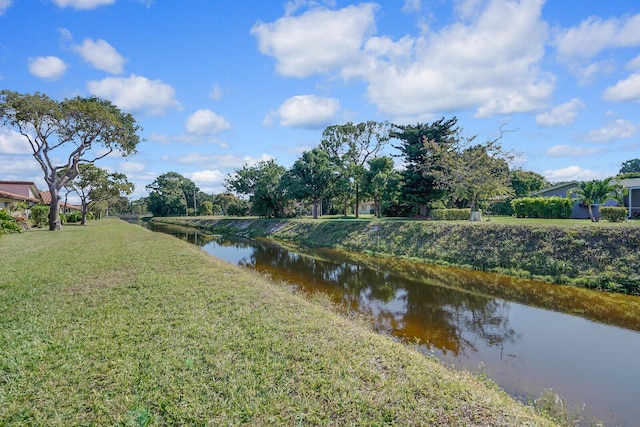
[[14, 192], [581, 211]]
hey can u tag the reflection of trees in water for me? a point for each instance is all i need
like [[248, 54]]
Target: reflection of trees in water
[[437, 315], [404, 299]]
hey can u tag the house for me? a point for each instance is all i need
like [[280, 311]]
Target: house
[[366, 207], [632, 200], [581, 211], [14, 192], [64, 206]]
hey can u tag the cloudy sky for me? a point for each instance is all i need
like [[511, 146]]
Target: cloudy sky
[[219, 84]]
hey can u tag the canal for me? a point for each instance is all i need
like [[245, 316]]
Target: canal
[[527, 337]]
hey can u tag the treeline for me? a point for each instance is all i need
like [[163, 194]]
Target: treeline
[[441, 168]]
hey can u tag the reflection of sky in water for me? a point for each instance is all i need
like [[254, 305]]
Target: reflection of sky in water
[[524, 349], [232, 254]]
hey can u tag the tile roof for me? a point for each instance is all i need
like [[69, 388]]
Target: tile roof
[[20, 197]]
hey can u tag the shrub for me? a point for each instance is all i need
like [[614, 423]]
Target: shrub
[[613, 213], [39, 215], [542, 207], [398, 210], [75, 216], [8, 223], [451, 214]]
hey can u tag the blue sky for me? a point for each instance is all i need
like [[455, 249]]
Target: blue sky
[[218, 84]]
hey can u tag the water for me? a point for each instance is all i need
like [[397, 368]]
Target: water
[[525, 336]]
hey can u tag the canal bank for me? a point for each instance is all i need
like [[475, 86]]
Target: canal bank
[[598, 257], [526, 336], [139, 328]]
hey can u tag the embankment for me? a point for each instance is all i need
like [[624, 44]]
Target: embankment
[[109, 324], [600, 257]]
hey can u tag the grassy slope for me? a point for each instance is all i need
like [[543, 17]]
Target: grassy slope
[[112, 324], [592, 255]]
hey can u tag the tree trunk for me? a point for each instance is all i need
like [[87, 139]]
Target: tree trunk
[[357, 201], [54, 210], [315, 209], [476, 215]]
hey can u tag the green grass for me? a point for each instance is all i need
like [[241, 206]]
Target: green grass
[[111, 324]]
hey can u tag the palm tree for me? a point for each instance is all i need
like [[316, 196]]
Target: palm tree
[[596, 192]]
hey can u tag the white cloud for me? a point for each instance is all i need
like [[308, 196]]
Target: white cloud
[[207, 176], [216, 92], [568, 151], [450, 69], [618, 129], [560, 115], [82, 4], [136, 93], [572, 173], [206, 122], [47, 67], [12, 142], [308, 111], [222, 161], [4, 5], [624, 90], [318, 41], [101, 55], [634, 64], [131, 167], [593, 35], [22, 168], [411, 6], [491, 63]]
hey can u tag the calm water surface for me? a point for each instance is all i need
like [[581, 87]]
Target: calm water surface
[[528, 337]]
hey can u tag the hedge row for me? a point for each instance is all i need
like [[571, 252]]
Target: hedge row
[[542, 207], [451, 214], [613, 213]]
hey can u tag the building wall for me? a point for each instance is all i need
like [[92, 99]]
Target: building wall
[[25, 189]]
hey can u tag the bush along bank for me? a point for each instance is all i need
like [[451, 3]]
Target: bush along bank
[[598, 257]]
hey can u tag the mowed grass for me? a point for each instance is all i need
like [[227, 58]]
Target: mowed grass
[[111, 324]]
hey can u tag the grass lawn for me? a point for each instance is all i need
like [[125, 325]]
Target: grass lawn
[[111, 324]]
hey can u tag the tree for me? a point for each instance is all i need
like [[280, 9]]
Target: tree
[[421, 162], [351, 146], [630, 166], [66, 134], [524, 182], [262, 183], [312, 178], [94, 185], [596, 192], [206, 208], [169, 194], [224, 201], [471, 173], [381, 181]]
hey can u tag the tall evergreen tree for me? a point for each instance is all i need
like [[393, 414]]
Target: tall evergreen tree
[[420, 186]]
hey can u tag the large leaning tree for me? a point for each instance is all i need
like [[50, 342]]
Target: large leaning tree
[[66, 134]]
